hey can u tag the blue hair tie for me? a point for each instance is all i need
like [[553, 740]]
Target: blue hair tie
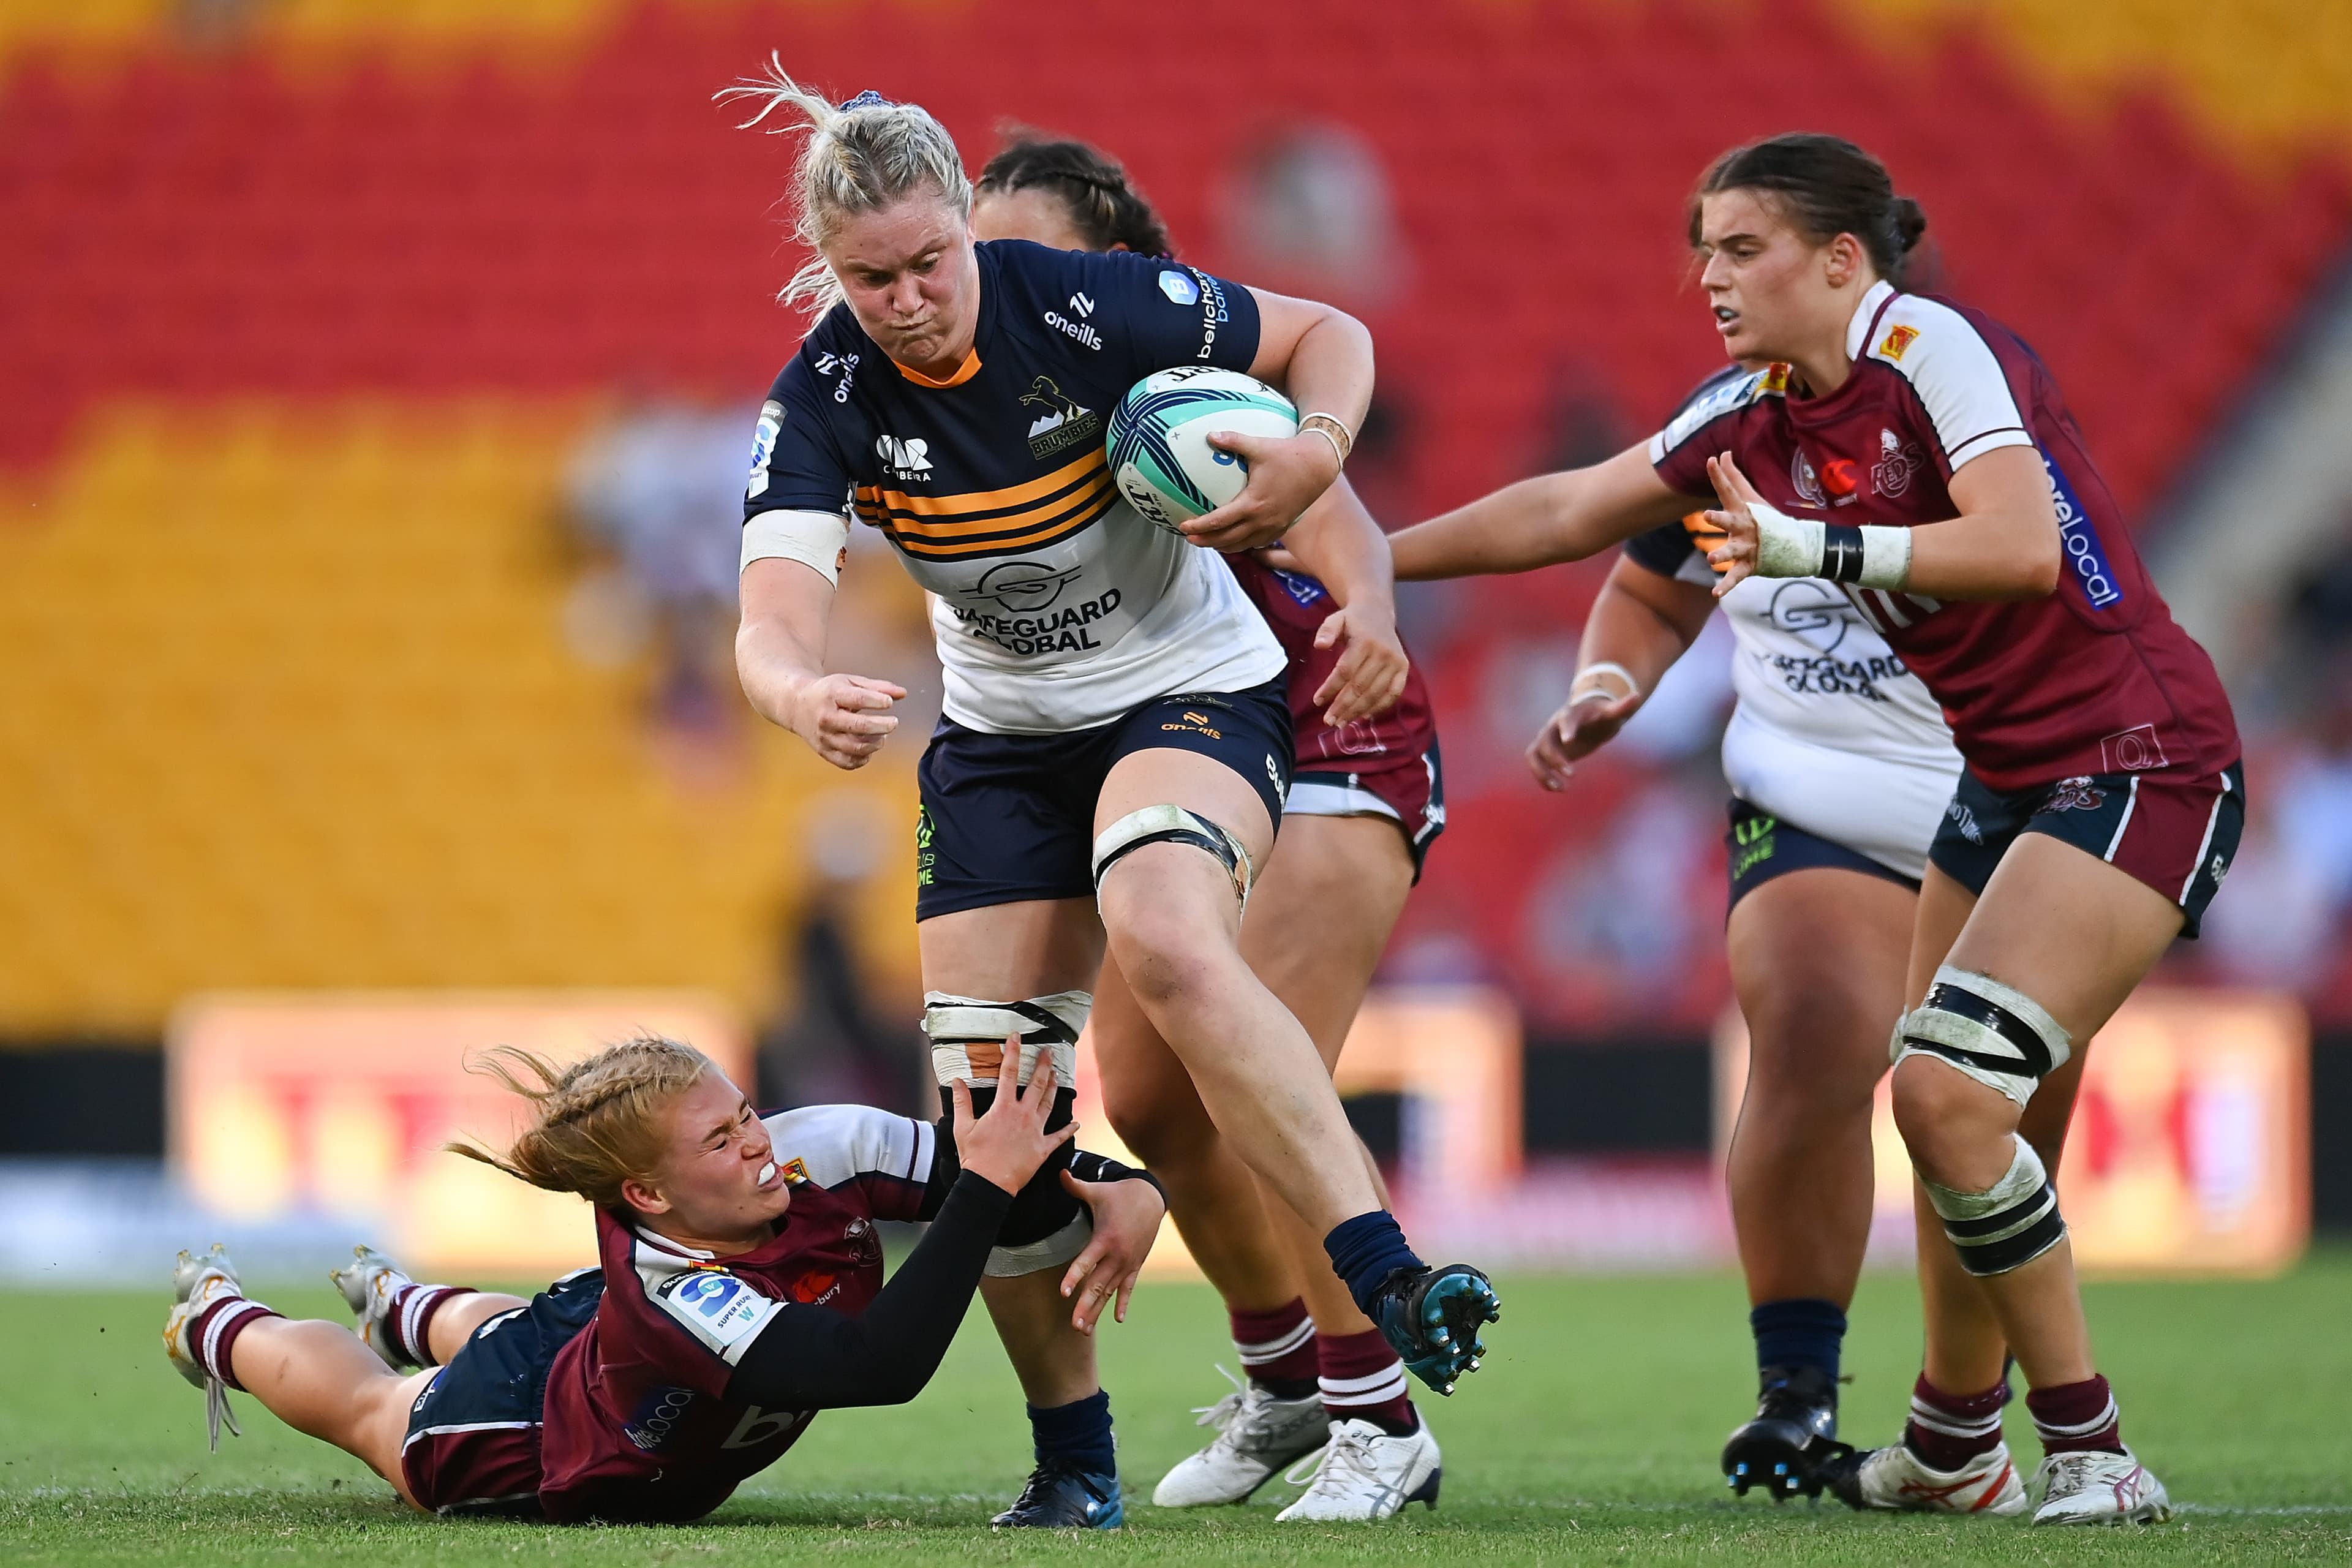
[[869, 98]]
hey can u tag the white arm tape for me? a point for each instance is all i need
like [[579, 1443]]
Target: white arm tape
[[815, 539], [1886, 557], [1786, 546]]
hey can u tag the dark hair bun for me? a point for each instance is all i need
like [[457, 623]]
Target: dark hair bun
[[1910, 223]]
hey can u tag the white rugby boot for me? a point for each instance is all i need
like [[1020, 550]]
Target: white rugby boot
[[1364, 1474], [1257, 1435], [197, 1283], [369, 1282], [2099, 1489], [1894, 1478]]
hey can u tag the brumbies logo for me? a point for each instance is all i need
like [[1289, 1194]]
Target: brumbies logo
[[1063, 424]]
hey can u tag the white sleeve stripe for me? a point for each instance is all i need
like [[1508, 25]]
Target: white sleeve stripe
[[1952, 370]]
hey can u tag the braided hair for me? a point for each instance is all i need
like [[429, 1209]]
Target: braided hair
[[600, 1122], [1104, 205]]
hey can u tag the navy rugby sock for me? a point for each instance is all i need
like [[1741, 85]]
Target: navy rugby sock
[[1079, 1432], [1803, 1331], [1365, 1251]]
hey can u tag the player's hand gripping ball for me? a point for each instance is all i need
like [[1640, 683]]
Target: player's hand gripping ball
[[1159, 447]]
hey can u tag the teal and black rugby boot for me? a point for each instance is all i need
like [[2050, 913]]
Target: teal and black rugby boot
[[1430, 1317], [1060, 1496], [1792, 1439]]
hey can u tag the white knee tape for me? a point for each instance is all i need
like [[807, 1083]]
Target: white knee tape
[[967, 1034], [1994, 1033], [1055, 1252], [1174, 825], [2010, 1224]]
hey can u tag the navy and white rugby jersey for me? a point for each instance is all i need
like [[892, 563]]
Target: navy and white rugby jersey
[[1832, 732], [1055, 605]]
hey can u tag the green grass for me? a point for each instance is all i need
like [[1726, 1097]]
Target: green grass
[[1590, 1436]]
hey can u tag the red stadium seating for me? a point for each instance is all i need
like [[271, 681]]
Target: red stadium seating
[[480, 219]]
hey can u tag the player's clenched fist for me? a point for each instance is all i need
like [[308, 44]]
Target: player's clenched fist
[[845, 718]]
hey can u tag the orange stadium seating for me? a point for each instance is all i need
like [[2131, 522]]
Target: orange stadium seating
[[349, 214]]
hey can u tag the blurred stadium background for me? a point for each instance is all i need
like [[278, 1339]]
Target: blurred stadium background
[[376, 383]]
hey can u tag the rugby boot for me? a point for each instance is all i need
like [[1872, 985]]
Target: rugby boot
[[197, 1283], [1430, 1317], [1364, 1473], [370, 1282], [1257, 1435], [2099, 1488], [1896, 1480], [1060, 1496], [1793, 1434]]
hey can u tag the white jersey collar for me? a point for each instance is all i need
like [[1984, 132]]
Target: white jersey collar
[[1857, 330]]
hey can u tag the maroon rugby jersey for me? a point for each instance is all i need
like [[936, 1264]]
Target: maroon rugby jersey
[[637, 1423], [1296, 606], [2097, 677]]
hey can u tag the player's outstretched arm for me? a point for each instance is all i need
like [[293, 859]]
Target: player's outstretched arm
[[779, 657], [1339, 545], [2003, 546], [1641, 623], [813, 1358], [1541, 522]]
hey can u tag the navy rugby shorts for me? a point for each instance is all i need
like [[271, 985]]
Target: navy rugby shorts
[[473, 1434], [1763, 846], [1011, 817], [2175, 832]]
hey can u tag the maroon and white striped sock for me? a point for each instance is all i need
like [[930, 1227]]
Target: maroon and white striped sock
[[1947, 1430], [1277, 1348], [2077, 1417], [408, 1322], [217, 1329], [1363, 1381]]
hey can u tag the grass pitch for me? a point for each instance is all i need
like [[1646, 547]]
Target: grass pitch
[[1590, 1435]]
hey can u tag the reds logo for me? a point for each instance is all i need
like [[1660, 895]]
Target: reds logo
[[2074, 795], [1891, 475]]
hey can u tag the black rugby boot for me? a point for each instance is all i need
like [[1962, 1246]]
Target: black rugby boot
[[1792, 1437]]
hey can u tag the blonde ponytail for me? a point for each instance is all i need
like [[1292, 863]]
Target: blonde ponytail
[[860, 157], [601, 1121]]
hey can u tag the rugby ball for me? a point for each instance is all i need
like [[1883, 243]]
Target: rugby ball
[[1159, 440]]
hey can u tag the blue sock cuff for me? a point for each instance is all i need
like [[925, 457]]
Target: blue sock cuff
[[1803, 1331], [1365, 1251], [1079, 1432]]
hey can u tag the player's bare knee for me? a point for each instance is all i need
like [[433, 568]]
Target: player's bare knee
[[1162, 1134]]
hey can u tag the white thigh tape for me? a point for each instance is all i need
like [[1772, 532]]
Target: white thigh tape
[[1174, 825], [967, 1034], [1055, 1252]]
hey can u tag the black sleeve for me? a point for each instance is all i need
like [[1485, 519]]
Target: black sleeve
[[1086, 1166], [813, 1358], [1089, 1166], [1663, 550]]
